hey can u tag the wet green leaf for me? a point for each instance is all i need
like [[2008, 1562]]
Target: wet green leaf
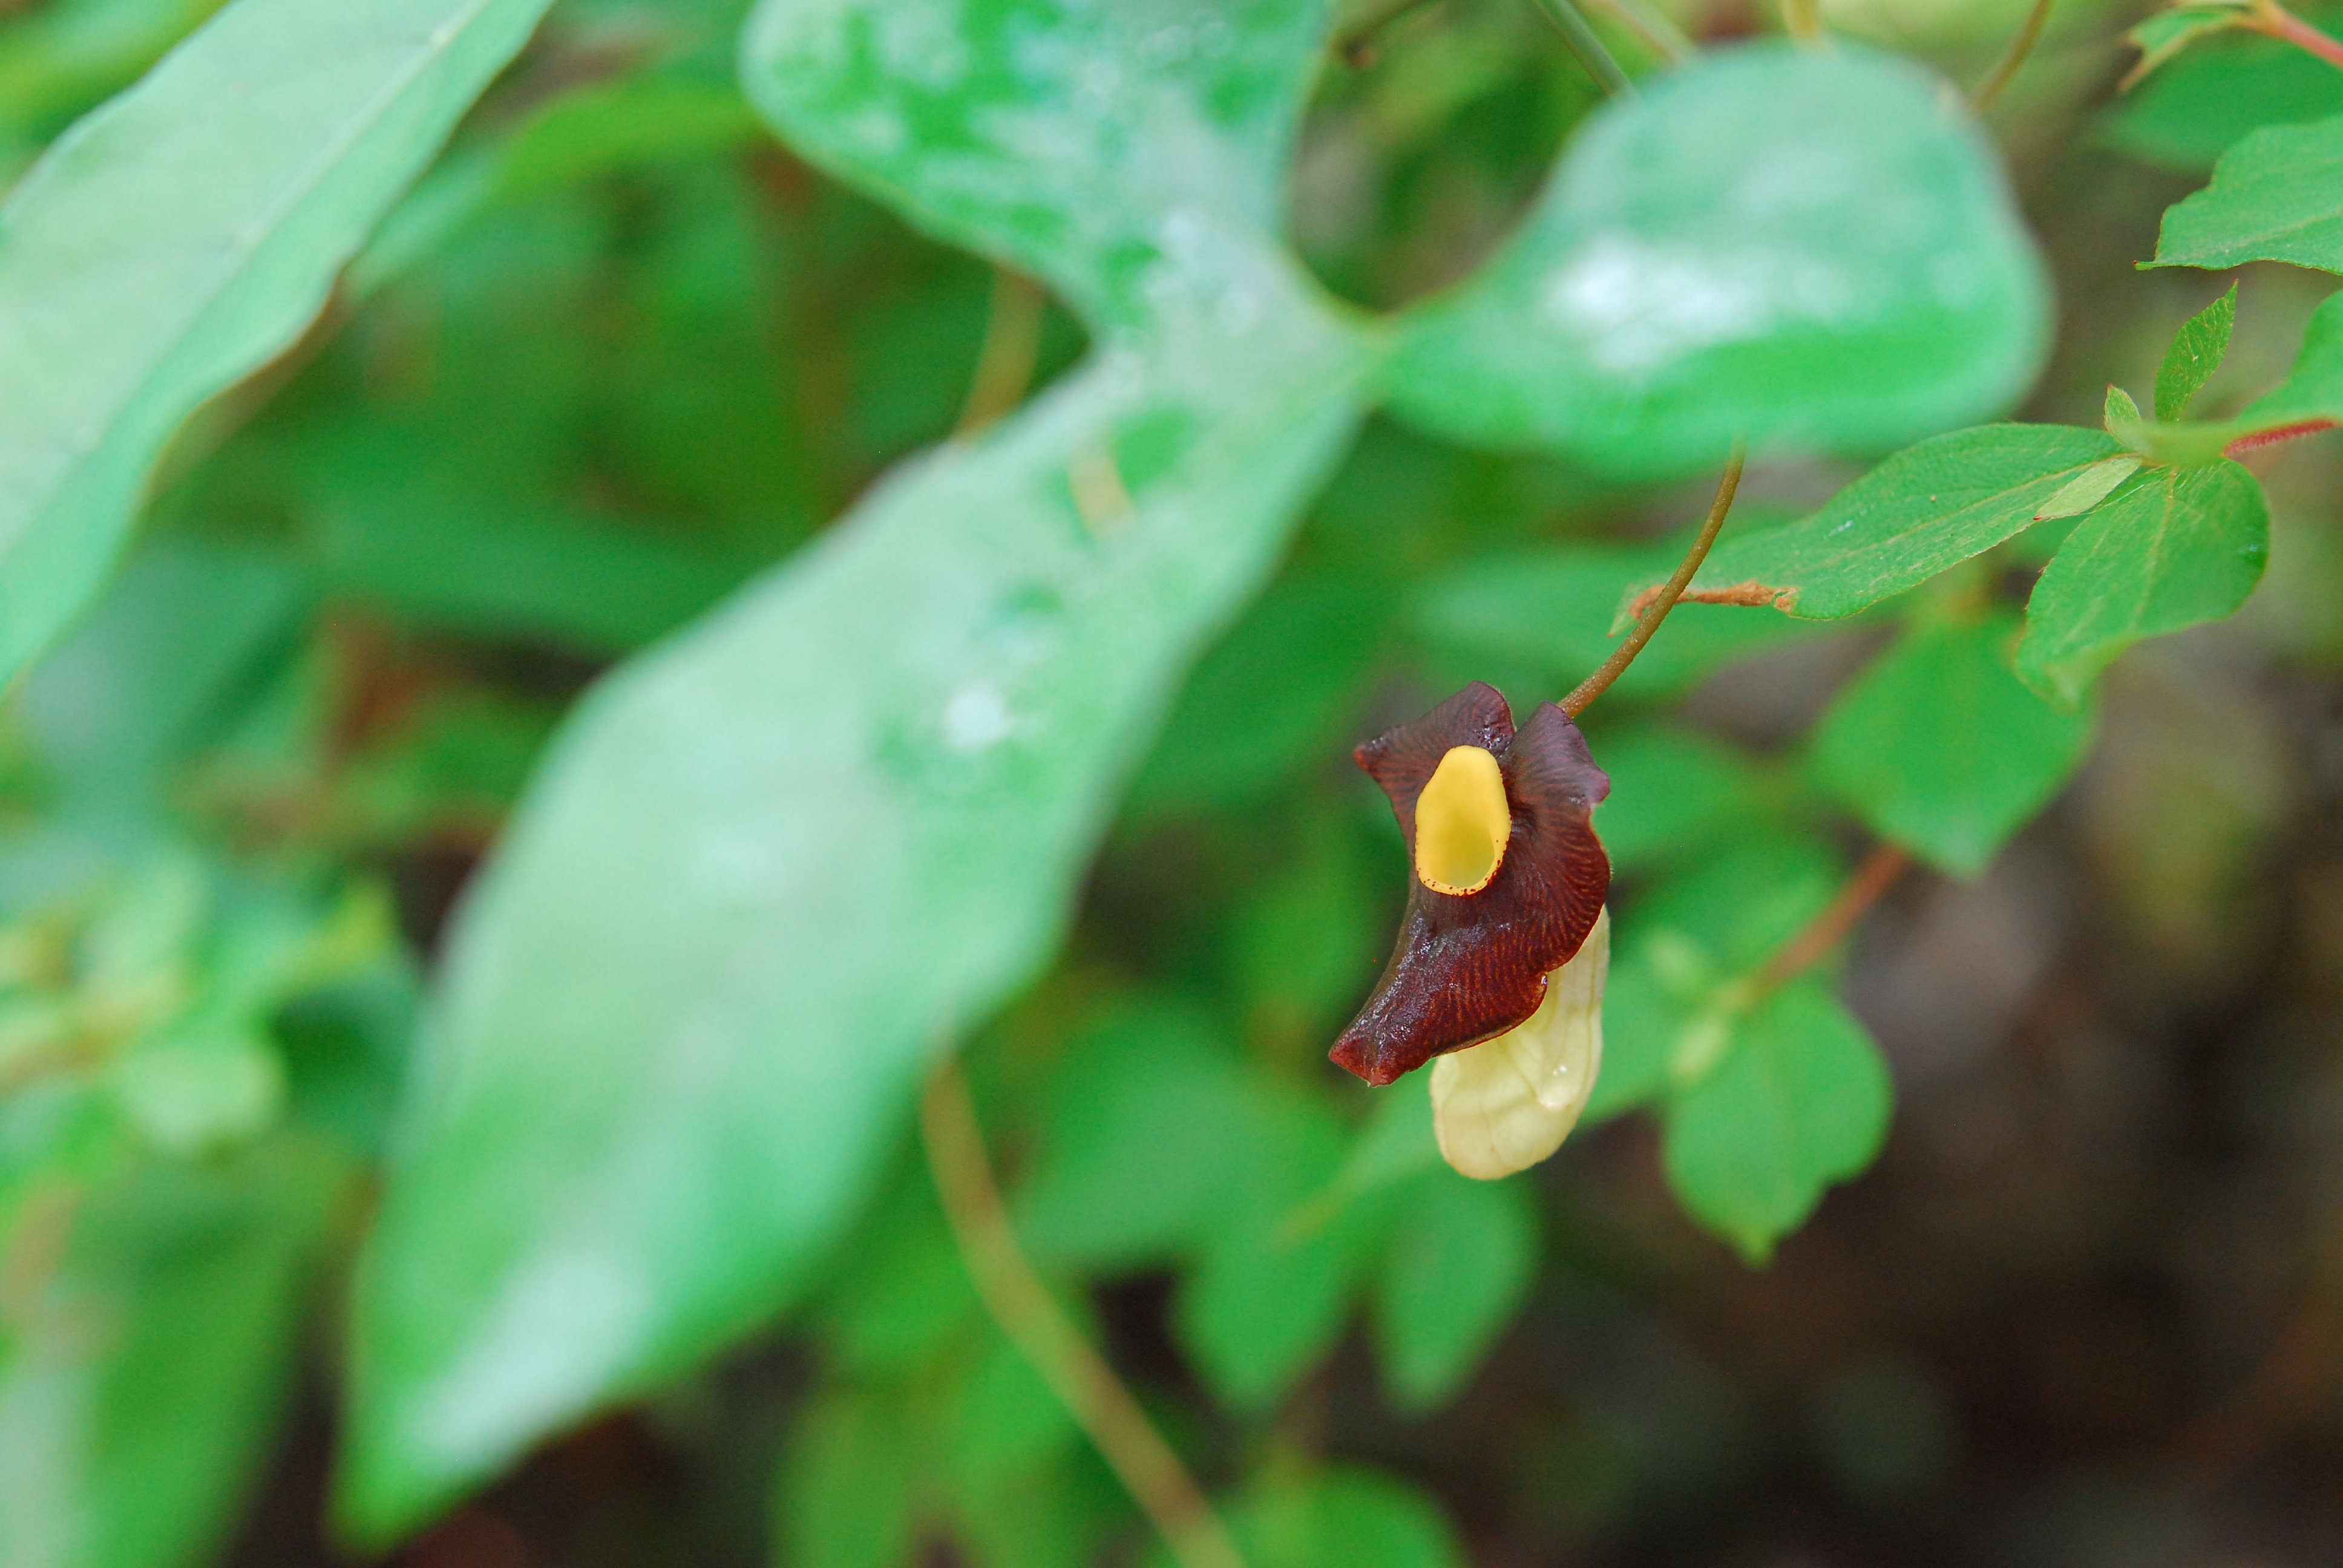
[[1926, 508], [1799, 1100], [2176, 547], [182, 235], [1938, 746], [1090, 147], [2276, 195], [747, 900], [1717, 257]]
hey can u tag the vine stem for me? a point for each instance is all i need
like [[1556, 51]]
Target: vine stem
[[1880, 870], [1596, 684], [2019, 49], [2274, 19], [1355, 45], [1048, 1338], [1012, 345], [1588, 45]]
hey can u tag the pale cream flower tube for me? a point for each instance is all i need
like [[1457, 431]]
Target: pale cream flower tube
[[1506, 1103]]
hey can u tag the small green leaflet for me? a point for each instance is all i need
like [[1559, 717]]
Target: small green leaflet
[[2120, 409], [1928, 508], [2089, 487], [1799, 1100], [2176, 547], [2195, 352], [2167, 33], [1939, 747], [2276, 195]]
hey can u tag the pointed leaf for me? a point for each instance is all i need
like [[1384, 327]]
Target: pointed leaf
[[2176, 547], [1941, 748], [1718, 257], [1926, 508], [2276, 195], [770, 868], [1800, 1099], [182, 235], [2195, 352]]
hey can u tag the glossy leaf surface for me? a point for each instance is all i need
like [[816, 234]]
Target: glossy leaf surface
[[179, 237], [1717, 256], [2176, 547], [1086, 144], [1938, 746]]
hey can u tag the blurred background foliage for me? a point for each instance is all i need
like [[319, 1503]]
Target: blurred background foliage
[[618, 352]]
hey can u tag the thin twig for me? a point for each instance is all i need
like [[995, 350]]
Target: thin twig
[[1585, 42], [1012, 343], [1039, 1328], [2269, 17], [1879, 871], [1658, 31], [1802, 20], [2019, 49], [1596, 684], [1355, 45]]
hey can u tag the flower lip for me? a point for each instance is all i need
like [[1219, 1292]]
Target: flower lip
[[1467, 968]]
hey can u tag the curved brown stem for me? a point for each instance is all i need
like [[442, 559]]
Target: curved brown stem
[[1588, 45], [1596, 684], [1040, 1328], [1012, 344], [2270, 17], [2019, 49]]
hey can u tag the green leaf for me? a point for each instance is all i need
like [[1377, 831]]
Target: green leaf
[[1928, 508], [2167, 33], [1800, 1099], [1717, 257], [847, 1491], [2313, 389], [2190, 112], [772, 869], [179, 237], [2176, 547], [1454, 1269], [769, 869], [1343, 1518], [1088, 145], [1143, 1135], [1939, 747], [2276, 195], [143, 1381], [2119, 410], [2089, 487], [2195, 352], [1274, 1284]]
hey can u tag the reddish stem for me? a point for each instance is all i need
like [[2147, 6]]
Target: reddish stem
[[2270, 17], [2275, 434], [1879, 871]]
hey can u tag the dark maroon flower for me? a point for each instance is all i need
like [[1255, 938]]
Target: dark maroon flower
[[1503, 891]]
